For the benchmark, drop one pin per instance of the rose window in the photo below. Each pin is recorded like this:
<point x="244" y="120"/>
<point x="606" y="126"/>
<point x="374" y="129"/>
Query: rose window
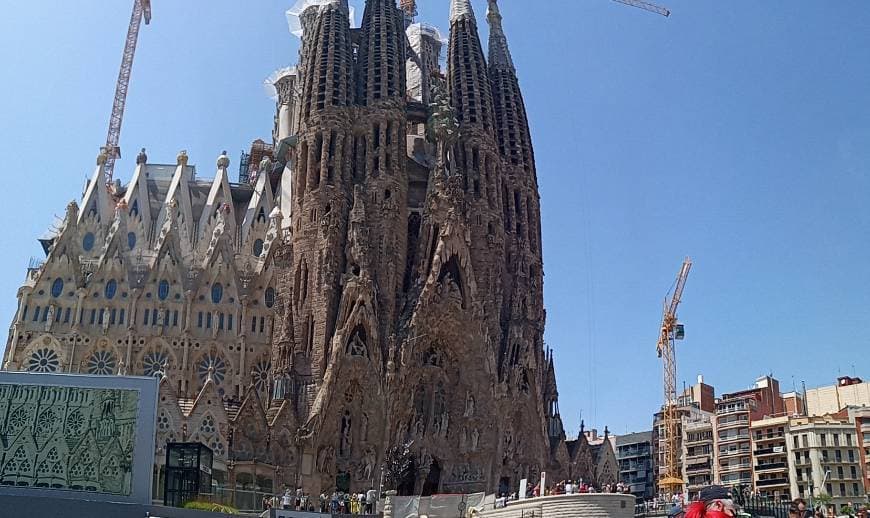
<point x="261" y="374"/>
<point x="101" y="362"/>
<point x="75" y="424"/>
<point x="207" y="427"/>
<point x="43" y="360"/>
<point x="163" y="422"/>
<point x="154" y="363"/>
<point x="215" y="362"/>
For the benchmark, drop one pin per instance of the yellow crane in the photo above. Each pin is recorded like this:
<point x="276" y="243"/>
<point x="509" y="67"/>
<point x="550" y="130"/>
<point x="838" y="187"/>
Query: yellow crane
<point x="141" y="9"/>
<point x="670" y="331"/>
<point x="646" y="6"/>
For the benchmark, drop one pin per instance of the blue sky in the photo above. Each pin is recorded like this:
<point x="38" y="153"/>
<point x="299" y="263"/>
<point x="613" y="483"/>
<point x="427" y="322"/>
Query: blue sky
<point x="735" y="132"/>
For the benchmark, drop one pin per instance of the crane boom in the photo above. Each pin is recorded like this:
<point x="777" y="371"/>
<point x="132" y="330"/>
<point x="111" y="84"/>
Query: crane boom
<point x="646" y="6"/>
<point x="141" y="9"/>
<point x="665" y="347"/>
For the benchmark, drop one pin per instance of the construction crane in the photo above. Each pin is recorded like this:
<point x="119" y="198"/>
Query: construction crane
<point x="141" y="9"/>
<point x="646" y="6"/>
<point x="670" y="331"/>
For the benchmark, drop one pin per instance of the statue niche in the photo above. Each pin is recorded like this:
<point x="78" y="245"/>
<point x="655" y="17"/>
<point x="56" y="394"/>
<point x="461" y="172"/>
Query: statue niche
<point x="450" y="286"/>
<point x="345" y="438"/>
<point x="356" y="346"/>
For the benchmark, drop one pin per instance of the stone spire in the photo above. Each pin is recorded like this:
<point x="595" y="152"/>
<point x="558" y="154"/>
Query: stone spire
<point x="466" y="69"/>
<point x="499" y="53"/>
<point x="327" y="72"/>
<point x="512" y="126"/>
<point x="381" y="61"/>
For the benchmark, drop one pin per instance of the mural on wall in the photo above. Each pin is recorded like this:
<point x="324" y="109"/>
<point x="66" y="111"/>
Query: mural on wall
<point x="68" y="438"/>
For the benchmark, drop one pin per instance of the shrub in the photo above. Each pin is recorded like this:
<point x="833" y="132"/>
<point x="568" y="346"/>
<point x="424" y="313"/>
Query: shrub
<point x="208" y="506"/>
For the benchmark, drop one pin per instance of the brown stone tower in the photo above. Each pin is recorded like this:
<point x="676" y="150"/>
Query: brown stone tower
<point x="410" y="295"/>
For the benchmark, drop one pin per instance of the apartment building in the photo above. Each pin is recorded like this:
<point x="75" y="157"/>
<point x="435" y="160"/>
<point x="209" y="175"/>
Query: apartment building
<point x="770" y="457"/>
<point x="698" y="453"/>
<point x="861" y="416"/>
<point x="734" y="414"/>
<point x="825" y="457"/>
<point x="635" y="458"/>
<point x="848" y="391"/>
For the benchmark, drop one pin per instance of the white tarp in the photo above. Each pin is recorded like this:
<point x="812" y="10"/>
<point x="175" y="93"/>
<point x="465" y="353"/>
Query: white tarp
<point x="301" y="5"/>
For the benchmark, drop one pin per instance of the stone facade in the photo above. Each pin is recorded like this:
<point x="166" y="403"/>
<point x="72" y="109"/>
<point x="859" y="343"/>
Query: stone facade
<point x="381" y="283"/>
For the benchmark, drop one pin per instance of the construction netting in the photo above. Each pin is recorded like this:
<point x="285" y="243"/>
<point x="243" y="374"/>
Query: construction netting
<point x="417" y="34"/>
<point x="295" y="12"/>
<point x="269" y="83"/>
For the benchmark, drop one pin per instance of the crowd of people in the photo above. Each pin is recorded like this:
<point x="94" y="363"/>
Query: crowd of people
<point x="718" y="502"/>
<point x="337" y="503"/>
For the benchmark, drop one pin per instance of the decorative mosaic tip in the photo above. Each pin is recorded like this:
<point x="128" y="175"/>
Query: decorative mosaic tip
<point x="461" y="9"/>
<point x="141" y="158"/>
<point x="181" y="159"/>
<point x="103" y="157"/>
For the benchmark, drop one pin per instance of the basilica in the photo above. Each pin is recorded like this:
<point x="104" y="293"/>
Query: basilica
<point x="376" y="279"/>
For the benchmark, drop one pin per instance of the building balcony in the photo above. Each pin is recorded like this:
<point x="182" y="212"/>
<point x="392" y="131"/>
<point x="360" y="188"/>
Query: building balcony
<point x="735" y="453"/>
<point x="725" y="425"/>
<point x="735" y="467"/>
<point x="698" y="468"/>
<point x="770" y="482"/>
<point x="772" y="450"/>
<point x="733" y="409"/>
<point x="769" y="438"/>
<point x="771" y="465"/>
<point x="734" y="438"/>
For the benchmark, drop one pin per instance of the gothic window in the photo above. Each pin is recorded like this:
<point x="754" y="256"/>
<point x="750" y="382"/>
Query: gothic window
<point x="163" y="289"/>
<point x="212" y="361"/>
<point x="261" y="374"/>
<point x="217" y="293"/>
<point x="258" y="247"/>
<point x="131" y="240"/>
<point x="134" y="209"/>
<point x="154" y="362"/>
<point x="269" y="297"/>
<point x="261" y="217"/>
<point x="57" y="287"/>
<point x="88" y="242"/>
<point x="43" y="360"/>
<point x="111" y="288"/>
<point x="101" y="362"/>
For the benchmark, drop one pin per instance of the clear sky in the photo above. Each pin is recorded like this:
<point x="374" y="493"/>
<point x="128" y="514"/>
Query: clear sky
<point x="736" y="132"/>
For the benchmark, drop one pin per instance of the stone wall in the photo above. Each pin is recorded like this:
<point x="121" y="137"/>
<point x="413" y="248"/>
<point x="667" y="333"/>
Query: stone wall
<point x="598" y="505"/>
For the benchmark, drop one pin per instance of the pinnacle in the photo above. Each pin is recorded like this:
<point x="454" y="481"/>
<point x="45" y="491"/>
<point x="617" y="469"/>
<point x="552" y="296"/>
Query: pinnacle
<point x="460" y="9"/>
<point x="499" y="53"/>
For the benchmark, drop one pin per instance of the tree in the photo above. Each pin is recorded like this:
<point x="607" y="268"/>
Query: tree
<point x="398" y="467"/>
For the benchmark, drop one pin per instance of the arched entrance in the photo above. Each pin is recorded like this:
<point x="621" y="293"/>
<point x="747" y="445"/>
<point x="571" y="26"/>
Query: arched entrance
<point x="433" y="479"/>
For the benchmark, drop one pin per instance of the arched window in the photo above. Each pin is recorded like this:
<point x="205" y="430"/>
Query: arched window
<point x="163" y="289"/>
<point x="134" y="210"/>
<point x="57" y="287"/>
<point x="111" y="288"/>
<point x="258" y="247"/>
<point x="131" y="240"/>
<point x="269" y="297"/>
<point x="88" y="242"/>
<point x="217" y="292"/>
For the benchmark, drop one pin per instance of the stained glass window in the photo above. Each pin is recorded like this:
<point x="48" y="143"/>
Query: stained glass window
<point x="43" y="360"/>
<point x="163" y="289"/>
<point x="101" y="362"/>
<point x="269" y="297"/>
<point x="111" y="289"/>
<point x="217" y="292"/>
<point x="88" y="242"/>
<point x="57" y="287"/>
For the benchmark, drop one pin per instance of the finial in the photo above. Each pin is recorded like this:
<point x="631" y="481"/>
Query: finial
<point x="181" y="159"/>
<point x="223" y="161"/>
<point x="582" y="426"/>
<point x="103" y="157"/>
<point x="141" y="158"/>
<point x="492" y="12"/>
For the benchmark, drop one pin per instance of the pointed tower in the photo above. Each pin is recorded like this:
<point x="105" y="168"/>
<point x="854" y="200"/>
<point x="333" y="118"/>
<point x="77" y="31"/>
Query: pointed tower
<point x="475" y="159"/>
<point x="379" y="148"/>
<point x="323" y="177"/>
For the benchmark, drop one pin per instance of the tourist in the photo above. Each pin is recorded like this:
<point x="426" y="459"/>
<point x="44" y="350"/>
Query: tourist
<point x="333" y="503"/>
<point x="298" y="501"/>
<point x="371" y="497"/>
<point x="286" y="500"/>
<point x="800" y="507"/>
<point x="713" y="502"/>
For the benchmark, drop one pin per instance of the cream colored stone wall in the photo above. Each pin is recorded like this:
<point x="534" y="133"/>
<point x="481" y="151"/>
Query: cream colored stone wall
<point x="599" y="505"/>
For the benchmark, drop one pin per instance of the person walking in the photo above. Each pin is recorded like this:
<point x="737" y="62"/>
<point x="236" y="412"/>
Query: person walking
<point x="713" y="502"/>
